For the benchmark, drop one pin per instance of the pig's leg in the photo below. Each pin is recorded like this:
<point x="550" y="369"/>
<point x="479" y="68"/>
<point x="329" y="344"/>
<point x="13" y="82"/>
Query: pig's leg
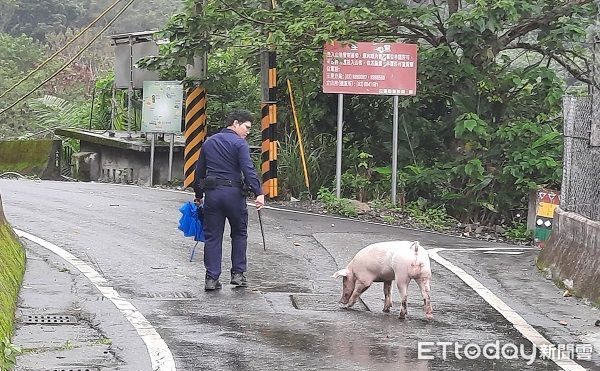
<point x="423" y="283"/>
<point x="403" y="290"/>
<point x="387" y="293"/>
<point x="358" y="290"/>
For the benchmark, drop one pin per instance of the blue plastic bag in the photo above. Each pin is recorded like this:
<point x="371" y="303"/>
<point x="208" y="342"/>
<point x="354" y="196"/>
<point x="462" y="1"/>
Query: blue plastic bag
<point x="191" y="221"/>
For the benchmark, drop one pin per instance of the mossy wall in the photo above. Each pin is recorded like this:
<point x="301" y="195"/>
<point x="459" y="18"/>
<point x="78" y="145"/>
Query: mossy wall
<point x="12" y="268"/>
<point x="30" y="157"/>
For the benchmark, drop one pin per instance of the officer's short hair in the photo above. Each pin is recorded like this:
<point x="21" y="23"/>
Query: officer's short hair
<point x="241" y="115"/>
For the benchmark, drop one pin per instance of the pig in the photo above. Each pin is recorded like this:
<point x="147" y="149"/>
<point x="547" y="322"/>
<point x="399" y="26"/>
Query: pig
<point x="385" y="262"/>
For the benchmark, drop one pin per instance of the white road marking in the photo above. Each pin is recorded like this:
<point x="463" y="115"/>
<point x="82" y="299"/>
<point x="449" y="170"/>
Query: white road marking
<point x="160" y="355"/>
<point x="560" y="358"/>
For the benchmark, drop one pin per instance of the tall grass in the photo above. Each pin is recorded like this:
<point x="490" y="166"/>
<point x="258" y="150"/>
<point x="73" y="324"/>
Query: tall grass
<point x="320" y="162"/>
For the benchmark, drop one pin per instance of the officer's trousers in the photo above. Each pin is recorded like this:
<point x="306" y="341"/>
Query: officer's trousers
<point x="219" y="204"/>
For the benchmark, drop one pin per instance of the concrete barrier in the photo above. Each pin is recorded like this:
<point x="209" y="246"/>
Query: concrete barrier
<point x="86" y="166"/>
<point x="31" y="157"/>
<point x="572" y="254"/>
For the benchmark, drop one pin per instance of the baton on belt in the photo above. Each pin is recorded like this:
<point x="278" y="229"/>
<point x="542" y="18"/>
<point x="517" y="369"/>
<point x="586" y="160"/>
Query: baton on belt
<point x="262" y="232"/>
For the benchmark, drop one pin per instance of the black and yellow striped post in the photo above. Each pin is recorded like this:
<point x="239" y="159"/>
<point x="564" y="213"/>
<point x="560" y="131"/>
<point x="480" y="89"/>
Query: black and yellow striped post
<point x="273" y="121"/>
<point x="265" y="148"/>
<point x="195" y="131"/>
<point x="269" y="125"/>
<point x="269" y="149"/>
<point x="273" y="151"/>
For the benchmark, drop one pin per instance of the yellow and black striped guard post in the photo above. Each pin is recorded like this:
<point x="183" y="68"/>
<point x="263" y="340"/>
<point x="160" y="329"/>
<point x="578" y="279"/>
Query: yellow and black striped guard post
<point x="269" y="132"/>
<point x="273" y="151"/>
<point x="195" y="131"/>
<point x="265" y="149"/>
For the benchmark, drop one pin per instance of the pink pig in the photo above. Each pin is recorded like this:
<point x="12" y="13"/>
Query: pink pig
<point x="385" y="262"/>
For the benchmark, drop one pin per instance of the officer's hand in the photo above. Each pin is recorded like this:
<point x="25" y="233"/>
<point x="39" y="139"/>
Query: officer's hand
<point x="198" y="201"/>
<point x="260" y="201"/>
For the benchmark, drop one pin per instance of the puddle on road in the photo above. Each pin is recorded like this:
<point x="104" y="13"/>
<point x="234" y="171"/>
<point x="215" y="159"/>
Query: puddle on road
<point x="340" y="345"/>
<point x="325" y="341"/>
<point x="348" y="340"/>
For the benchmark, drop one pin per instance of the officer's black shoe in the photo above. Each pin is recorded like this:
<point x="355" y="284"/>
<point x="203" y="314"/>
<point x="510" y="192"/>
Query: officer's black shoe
<point x="239" y="280"/>
<point x="211" y="284"/>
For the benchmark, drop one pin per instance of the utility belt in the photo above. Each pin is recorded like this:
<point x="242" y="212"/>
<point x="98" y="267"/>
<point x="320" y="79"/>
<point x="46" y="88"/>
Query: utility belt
<point x="212" y="182"/>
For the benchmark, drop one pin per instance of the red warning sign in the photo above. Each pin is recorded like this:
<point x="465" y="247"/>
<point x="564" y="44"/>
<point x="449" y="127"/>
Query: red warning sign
<point x="370" y="68"/>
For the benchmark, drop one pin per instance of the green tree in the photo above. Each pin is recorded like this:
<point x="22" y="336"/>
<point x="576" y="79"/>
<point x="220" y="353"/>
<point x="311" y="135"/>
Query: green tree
<point x="19" y="55"/>
<point x="37" y="18"/>
<point x="7" y="9"/>
<point x="488" y="73"/>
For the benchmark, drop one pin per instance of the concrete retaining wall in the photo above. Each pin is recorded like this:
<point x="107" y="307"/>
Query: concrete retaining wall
<point x="31" y="157"/>
<point x="573" y="254"/>
<point x="117" y="165"/>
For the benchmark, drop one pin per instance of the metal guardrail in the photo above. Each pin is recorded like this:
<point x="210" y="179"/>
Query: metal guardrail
<point x="67" y="161"/>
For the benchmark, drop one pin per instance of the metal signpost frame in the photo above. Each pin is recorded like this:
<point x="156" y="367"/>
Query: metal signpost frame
<point x="369" y="68"/>
<point x="130" y="89"/>
<point x="338" y="156"/>
<point x="129" y="48"/>
<point x="394" y="149"/>
<point x="161" y="113"/>
<point x="171" y="145"/>
<point x="152" y="140"/>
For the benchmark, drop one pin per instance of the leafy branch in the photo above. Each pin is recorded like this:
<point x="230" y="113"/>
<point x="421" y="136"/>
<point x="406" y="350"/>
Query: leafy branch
<point x="545" y="19"/>
<point x="574" y="69"/>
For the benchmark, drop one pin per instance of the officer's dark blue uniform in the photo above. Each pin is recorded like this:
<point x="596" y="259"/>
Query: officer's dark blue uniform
<point x="224" y="157"/>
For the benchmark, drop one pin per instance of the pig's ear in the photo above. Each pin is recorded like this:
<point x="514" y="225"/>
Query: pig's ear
<point x="341" y="272"/>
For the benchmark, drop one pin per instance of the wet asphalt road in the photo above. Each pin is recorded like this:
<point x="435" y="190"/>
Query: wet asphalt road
<point x="288" y="318"/>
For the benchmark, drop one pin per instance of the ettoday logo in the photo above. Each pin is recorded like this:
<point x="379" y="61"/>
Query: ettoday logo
<point x="429" y="350"/>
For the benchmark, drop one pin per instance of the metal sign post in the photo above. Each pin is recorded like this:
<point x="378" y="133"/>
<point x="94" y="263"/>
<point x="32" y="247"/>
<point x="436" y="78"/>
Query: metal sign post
<point x="338" y="156"/>
<point x="171" y="145"/>
<point x="394" y="149"/>
<point x="152" y="158"/>
<point x="130" y="88"/>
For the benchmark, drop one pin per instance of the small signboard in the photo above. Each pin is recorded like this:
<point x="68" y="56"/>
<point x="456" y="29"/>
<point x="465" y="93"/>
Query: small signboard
<point x="162" y="106"/>
<point x="547" y="201"/>
<point x="370" y="68"/>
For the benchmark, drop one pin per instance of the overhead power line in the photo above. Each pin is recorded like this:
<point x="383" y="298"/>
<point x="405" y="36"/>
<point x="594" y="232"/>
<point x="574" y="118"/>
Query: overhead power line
<point x="61" y="49"/>
<point x="70" y="60"/>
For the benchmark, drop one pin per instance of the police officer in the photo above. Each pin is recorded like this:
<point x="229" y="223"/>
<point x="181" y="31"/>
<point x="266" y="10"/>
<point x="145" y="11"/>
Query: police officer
<point x="223" y="167"/>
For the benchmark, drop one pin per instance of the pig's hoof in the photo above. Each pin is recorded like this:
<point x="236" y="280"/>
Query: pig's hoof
<point x="402" y="316"/>
<point x="386" y="310"/>
<point x="429" y="316"/>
